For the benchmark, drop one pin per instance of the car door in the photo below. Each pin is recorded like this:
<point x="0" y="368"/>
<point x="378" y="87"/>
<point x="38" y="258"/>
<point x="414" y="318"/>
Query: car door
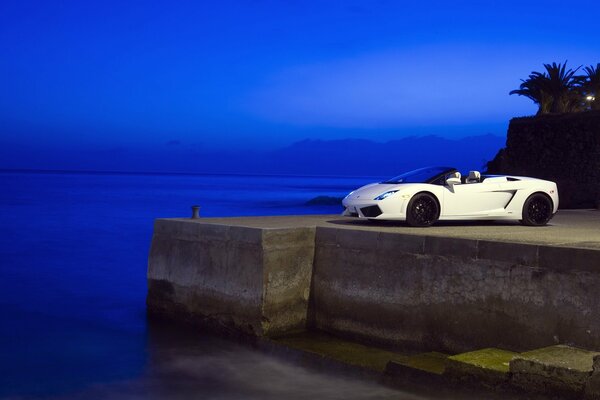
<point x="477" y="199"/>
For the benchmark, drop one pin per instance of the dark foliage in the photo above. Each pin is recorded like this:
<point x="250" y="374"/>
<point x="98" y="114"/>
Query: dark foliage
<point x="558" y="90"/>
<point x="590" y="86"/>
<point x="563" y="148"/>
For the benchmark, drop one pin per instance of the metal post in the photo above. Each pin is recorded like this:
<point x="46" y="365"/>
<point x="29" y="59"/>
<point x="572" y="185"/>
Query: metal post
<point x="195" y="212"/>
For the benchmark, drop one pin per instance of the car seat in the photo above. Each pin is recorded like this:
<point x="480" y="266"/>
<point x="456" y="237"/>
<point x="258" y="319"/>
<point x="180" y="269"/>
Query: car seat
<point x="474" y="177"/>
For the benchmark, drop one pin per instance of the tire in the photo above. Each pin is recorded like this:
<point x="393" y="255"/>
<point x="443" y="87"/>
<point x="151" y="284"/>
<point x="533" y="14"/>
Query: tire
<point x="423" y="210"/>
<point x="537" y="210"/>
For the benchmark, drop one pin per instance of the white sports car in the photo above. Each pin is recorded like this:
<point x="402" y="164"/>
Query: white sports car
<point x="424" y="196"/>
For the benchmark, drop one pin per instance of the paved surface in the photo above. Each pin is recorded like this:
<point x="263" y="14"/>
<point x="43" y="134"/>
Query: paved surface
<point x="569" y="228"/>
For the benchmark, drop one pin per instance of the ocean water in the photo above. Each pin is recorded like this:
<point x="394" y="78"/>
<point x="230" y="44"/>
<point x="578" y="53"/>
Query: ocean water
<point x="73" y="256"/>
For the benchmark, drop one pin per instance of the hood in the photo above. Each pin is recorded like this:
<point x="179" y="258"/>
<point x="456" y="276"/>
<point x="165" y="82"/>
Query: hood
<point x="369" y="192"/>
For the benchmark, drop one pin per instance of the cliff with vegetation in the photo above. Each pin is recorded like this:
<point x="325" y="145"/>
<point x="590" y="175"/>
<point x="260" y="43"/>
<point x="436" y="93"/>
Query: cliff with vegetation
<point x="564" y="148"/>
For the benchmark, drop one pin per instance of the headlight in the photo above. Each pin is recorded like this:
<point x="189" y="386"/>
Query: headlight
<point x="385" y="195"/>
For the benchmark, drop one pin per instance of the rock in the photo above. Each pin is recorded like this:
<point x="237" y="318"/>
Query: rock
<point x="325" y="201"/>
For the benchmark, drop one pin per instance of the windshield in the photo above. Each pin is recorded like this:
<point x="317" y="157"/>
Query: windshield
<point x="421" y="175"/>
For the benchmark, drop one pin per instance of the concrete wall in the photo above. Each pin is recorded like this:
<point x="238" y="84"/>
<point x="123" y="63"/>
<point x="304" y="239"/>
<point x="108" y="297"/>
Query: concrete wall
<point x="443" y="293"/>
<point x="254" y="280"/>
<point x="454" y="294"/>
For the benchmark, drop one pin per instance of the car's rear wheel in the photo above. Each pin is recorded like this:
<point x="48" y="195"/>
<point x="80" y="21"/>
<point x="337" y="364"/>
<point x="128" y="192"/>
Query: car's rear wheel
<point x="423" y="210"/>
<point x="537" y="210"/>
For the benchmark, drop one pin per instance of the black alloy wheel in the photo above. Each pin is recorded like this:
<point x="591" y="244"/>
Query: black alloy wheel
<point x="537" y="210"/>
<point x="422" y="210"/>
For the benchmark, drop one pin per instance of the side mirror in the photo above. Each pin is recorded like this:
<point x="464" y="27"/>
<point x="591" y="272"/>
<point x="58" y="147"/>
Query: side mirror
<point x="452" y="181"/>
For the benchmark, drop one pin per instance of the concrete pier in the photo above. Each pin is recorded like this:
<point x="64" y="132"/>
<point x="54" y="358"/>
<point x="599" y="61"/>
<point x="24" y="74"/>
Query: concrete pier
<point x="451" y="288"/>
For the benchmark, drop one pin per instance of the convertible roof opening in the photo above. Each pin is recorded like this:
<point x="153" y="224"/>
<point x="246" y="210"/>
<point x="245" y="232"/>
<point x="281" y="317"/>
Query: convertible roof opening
<point x="421" y="175"/>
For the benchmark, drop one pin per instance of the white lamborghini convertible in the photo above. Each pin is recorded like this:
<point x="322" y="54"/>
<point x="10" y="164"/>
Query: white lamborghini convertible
<point x="424" y="196"/>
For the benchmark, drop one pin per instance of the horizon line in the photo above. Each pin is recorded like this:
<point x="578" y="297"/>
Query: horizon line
<point x="157" y="173"/>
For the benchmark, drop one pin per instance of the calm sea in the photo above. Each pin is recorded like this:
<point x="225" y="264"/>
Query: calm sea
<point x="73" y="254"/>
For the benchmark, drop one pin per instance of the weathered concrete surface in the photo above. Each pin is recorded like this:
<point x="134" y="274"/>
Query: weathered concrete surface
<point x="430" y="363"/>
<point x="469" y="288"/>
<point x="555" y="369"/>
<point x="489" y="366"/>
<point x="348" y="352"/>
<point x="453" y="287"/>
<point x="569" y="228"/>
<point x="254" y="280"/>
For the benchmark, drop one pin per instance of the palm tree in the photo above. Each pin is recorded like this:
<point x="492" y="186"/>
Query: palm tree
<point x="554" y="91"/>
<point x="590" y="86"/>
<point x="534" y="89"/>
<point x="562" y="88"/>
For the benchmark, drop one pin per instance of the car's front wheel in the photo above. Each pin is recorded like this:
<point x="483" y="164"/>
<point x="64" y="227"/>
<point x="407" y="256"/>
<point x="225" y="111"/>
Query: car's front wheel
<point x="423" y="210"/>
<point x="537" y="210"/>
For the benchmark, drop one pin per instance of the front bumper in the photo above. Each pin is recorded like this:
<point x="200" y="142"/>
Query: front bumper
<point x="368" y="211"/>
<point x="374" y="210"/>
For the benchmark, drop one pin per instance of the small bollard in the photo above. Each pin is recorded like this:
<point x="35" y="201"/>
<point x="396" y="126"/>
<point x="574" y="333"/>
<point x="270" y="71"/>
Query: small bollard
<point x="195" y="212"/>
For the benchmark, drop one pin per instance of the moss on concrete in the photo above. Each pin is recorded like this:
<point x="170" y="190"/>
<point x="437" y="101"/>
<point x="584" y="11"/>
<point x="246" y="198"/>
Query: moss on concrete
<point x="432" y="363"/>
<point x="352" y="353"/>
<point x="490" y="358"/>
<point x="489" y="365"/>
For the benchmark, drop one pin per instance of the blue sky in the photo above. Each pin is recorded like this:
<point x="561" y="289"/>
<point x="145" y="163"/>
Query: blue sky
<point x="248" y="74"/>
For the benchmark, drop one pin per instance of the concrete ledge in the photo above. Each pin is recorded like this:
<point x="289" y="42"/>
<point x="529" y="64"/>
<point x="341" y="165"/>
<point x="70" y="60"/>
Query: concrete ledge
<point x="445" y="288"/>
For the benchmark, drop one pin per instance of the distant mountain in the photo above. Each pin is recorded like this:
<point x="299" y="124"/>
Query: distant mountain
<point x="365" y="157"/>
<point x="357" y="157"/>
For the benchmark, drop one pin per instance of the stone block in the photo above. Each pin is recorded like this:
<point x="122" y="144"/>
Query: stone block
<point x="555" y="369"/>
<point x="489" y="365"/>
<point x="254" y="280"/>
